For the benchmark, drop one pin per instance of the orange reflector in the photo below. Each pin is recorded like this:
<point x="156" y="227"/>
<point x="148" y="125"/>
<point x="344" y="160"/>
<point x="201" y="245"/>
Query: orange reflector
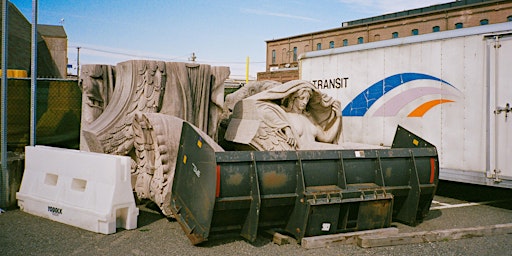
<point x="432" y="170"/>
<point x="217" y="190"/>
<point x="185" y="159"/>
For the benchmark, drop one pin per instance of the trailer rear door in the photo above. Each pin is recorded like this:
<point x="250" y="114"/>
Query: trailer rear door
<point x="500" y="88"/>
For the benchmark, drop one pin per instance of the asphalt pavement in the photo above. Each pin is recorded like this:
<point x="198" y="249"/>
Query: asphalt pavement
<point x="455" y="206"/>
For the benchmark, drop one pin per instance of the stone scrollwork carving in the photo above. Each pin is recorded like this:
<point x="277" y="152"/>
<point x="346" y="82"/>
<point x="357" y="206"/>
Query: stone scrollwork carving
<point x="139" y="85"/>
<point x="141" y="116"/>
<point x="97" y="86"/>
<point x="150" y="87"/>
<point x="156" y="138"/>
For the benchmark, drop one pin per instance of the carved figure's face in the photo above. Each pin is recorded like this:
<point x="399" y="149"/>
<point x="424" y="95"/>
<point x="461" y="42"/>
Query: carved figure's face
<point x="301" y="101"/>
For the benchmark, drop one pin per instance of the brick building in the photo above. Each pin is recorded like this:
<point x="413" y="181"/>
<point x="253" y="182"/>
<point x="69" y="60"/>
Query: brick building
<point x="283" y="54"/>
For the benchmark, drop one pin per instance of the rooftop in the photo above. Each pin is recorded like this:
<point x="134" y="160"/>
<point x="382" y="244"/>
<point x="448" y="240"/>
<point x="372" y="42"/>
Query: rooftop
<point x="397" y="15"/>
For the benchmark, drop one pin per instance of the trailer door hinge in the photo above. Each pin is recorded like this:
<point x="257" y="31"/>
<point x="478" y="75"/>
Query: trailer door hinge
<point x="496" y="175"/>
<point x="497" y="43"/>
<point x="505" y="109"/>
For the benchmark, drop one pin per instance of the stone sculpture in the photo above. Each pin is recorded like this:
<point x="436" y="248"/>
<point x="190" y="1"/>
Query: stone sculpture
<point x="137" y="108"/>
<point x="245" y="91"/>
<point x="97" y="89"/>
<point x="291" y="116"/>
<point x="220" y="74"/>
<point x="142" y="118"/>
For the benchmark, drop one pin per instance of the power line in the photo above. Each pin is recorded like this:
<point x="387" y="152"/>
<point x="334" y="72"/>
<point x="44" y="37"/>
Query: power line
<point x="123" y="53"/>
<point x="185" y="57"/>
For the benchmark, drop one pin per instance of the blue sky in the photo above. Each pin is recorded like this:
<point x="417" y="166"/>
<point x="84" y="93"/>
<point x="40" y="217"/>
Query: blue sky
<point x="219" y="32"/>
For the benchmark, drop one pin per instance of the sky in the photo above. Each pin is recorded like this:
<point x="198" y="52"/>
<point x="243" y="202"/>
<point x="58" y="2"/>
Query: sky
<point x="217" y="32"/>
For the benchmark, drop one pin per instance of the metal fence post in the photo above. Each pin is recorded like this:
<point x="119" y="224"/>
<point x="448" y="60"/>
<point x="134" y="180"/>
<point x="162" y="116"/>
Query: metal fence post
<point x="4" y="188"/>
<point x="33" y="67"/>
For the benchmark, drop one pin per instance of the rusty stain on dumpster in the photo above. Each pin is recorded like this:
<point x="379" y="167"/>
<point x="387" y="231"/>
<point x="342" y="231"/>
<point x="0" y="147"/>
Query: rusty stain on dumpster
<point x="273" y="179"/>
<point x="235" y="179"/>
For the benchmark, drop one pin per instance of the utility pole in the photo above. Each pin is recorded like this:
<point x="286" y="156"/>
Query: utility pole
<point x="78" y="62"/>
<point x="193" y="57"/>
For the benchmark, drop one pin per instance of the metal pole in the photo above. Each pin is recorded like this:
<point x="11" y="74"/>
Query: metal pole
<point x="78" y="63"/>
<point x="33" y="79"/>
<point x="4" y="189"/>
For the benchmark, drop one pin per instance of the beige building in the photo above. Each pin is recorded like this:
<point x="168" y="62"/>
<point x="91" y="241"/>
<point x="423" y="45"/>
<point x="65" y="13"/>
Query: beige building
<point x="51" y="46"/>
<point x="283" y="54"/>
<point x="57" y="43"/>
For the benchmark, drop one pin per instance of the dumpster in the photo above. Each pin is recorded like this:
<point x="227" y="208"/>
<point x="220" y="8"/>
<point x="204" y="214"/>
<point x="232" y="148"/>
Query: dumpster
<point x="304" y="193"/>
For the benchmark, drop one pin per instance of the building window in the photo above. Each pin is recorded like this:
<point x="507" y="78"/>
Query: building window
<point x="509" y="18"/>
<point x="294" y="54"/>
<point x="273" y="56"/>
<point x="394" y="35"/>
<point x="319" y="46"/>
<point x="484" y="22"/>
<point x="436" y="29"/>
<point x="331" y="44"/>
<point x="458" y="25"/>
<point x="414" y="32"/>
<point x="345" y="42"/>
<point x="376" y="38"/>
<point x="360" y="40"/>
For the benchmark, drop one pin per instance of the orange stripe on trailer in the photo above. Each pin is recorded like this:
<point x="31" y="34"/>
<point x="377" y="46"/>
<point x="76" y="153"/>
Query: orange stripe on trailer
<point x="421" y="110"/>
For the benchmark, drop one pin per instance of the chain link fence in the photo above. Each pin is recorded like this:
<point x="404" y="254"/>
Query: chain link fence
<point x="58" y="111"/>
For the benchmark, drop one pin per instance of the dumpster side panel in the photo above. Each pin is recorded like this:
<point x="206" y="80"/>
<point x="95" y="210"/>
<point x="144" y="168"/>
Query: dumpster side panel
<point x="194" y="185"/>
<point x="306" y="193"/>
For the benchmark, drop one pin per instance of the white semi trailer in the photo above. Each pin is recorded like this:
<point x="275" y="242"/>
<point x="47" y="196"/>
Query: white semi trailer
<point x="452" y="88"/>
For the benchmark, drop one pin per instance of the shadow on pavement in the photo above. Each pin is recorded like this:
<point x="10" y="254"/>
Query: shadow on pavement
<point x="493" y="196"/>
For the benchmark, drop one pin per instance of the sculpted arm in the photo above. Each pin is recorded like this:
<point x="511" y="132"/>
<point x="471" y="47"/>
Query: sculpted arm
<point x="329" y="134"/>
<point x="276" y="121"/>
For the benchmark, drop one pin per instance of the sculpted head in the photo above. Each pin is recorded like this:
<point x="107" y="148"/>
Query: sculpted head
<point x="297" y="101"/>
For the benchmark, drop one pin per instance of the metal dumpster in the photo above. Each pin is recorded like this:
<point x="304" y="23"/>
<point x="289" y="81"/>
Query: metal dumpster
<point x="304" y="193"/>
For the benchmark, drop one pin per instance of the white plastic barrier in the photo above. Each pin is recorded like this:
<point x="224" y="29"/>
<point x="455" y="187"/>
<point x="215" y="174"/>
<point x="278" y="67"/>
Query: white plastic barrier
<point x="88" y="190"/>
